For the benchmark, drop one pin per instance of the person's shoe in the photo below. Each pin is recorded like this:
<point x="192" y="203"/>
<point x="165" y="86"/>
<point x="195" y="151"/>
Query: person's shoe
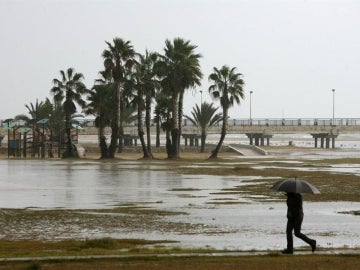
<point x="313" y="245"/>
<point x="287" y="251"/>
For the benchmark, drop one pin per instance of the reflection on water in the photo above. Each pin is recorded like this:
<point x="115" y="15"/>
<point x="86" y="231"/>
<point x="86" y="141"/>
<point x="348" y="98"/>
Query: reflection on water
<point x="86" y="184"/>
<point x="77" y="184"/>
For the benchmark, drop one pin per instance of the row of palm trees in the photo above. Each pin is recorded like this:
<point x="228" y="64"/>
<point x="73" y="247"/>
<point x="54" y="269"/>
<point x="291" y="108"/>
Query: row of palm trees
<point x="131" y="84"/>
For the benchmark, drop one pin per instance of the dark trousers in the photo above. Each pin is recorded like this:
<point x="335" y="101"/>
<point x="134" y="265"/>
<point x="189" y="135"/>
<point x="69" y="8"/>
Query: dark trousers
<point x="294" y="224"/>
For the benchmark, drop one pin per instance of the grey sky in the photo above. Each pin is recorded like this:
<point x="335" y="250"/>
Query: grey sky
<point x="291" y="53"/>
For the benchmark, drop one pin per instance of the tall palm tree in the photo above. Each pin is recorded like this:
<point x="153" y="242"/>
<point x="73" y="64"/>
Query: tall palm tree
<point x="180" y="69"/>
<point x="140" y="104"/>
<point x="146" y="84"/>
<point x="118" y="57"/>
<point x="69" y="89"/>
<point x="204" y="118"/>
<point x="228" y="88"/>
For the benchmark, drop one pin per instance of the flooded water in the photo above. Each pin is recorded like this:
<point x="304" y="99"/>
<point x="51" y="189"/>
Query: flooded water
<point x="79" y="184"/>
<point x="241" y="223"/>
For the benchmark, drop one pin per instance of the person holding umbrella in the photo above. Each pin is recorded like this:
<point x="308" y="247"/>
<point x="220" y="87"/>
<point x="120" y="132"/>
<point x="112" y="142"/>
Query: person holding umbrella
<point x="295" y="214"/>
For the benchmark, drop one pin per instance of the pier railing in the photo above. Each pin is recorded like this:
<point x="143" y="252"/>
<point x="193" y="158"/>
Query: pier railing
<point x="285" y="125"/>
<point x="290" y="122"/>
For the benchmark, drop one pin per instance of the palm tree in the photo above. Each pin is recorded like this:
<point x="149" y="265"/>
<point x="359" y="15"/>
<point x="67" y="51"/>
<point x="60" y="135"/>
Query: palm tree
<point x="204" y="118"/>
<point x="146" y="85"/>
<point x="162" y="117"/>
<point x="228" y="88"/>
<point x="118" y="57"/>
<point x="140" y="103"/>
<point x="39" y="110"/>
<point x="101" y="100"/>
<point x="180" y="70"/>
<point x="69" y="90"/>
<point x="56" y="123"/>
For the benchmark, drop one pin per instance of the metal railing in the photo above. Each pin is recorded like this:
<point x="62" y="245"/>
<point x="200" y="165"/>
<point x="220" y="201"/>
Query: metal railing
<point x="289" y="122"/>
<point x="256" y="122"/>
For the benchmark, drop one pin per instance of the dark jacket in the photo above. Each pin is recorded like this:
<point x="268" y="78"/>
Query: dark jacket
<point x="294" y="204"/>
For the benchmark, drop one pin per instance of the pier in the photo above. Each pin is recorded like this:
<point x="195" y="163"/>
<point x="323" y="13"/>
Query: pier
<point x="260" y="131"/>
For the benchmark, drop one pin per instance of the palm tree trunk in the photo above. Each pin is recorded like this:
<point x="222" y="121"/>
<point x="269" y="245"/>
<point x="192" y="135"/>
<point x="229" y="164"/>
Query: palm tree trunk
<point x="69" y="148"/>
<point x="142" y="141"/>
<point x="203" y="138"/>
<point x="102" y="143"/>
<point x="121" y="139"/>
<point x="157" y="132"/>
<point x="148" y="123"/>
<point x="181" y="101"/>
<point x="33" y="142"/>
<point x="25" y="145"/>
<point x="216" y="151"/>
<point x="121" y="128"/>
<point x="172" y="145"/>
<point x="115" y="126"/>
<point x="141" y="130"/>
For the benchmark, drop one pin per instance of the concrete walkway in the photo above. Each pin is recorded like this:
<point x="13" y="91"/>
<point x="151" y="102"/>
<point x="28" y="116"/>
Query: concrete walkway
<point x="179" y="255"/>
<point x="247" y="150"/>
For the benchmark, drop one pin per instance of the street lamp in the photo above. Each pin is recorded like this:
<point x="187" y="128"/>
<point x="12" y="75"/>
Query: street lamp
<point x="333" y="117"/>
<point x="200" y="97"/>
<point x="250" y="108"/>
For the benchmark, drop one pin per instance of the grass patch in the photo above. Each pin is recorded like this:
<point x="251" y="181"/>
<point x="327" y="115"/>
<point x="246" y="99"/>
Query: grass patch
<point x="122" y="244"/>
<point x="103" y="246"/>
<point x="333" y="186"/>
<point x="355" y="213"/>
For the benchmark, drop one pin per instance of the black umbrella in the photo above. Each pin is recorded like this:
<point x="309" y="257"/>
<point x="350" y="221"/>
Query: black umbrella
<point x="295" y="185"/>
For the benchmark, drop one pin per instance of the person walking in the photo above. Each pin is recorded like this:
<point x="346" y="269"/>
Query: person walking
<point x="295" y="217"/>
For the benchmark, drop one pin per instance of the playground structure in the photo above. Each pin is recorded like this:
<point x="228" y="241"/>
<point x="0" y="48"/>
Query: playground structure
<point x="39" y="141"/>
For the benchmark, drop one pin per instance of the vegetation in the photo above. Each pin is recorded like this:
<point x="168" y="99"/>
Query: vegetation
<point x="119" y="60"/>
<point x="203" y="118"/>
<point x="142" y="254"/>
<point x="101" y="99"/>
<point x="146" y="85"/>
<point x="131" y="84"/>
<point x="179" y="70"/>
<point x="145" y="254"/>
<point x="69" y="90"/>
<point x="228" y="88"/>
<point x="40" y="112"/>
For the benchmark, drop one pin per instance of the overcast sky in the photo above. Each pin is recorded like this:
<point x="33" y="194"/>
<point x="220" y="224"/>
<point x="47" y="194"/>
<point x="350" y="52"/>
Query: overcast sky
<point x="291" y="53"/>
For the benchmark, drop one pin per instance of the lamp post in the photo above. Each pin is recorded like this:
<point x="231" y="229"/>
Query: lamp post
<point x="250" y="108"/>
<point x="333" y="116"/>
<point x="201" y="97"/>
